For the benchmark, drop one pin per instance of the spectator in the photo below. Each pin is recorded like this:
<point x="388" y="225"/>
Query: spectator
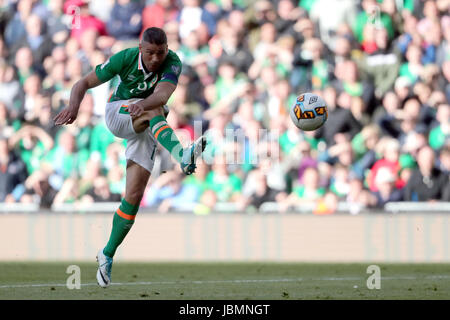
<point x="125" y="21"/>
<point x="329" y="15"/>
<point x="308" y="192"/>
<point x="10" y="90"/>
<point x="340" y="184"/>
<point x="227" y="186"/>
<point x="65" y="159"/>
<point x="327" y="205"/>
<point x="444" y="159"/>
<point x="38" y="190"/>
<point x="159" y="14"/>
<point x="370" y="15"/>
<point x="192" y="15"/>
<point x="385" y="184"/>
<point x="389" y="149"/>
<point x="13" y="171"/>
<point x="339" y="120"/>
<point x="427" y="182"/>
<point x="440" y="134"/>
<point x="168" y="192"/>
<point x="358" y="197"/>
<point x="100" y="192"/>
<point x="56" y="27"/>
<point x="40" y="44"/>
<point x="32" y="144"/>
<point x="85" y="20"/>
<point x="382" y="64"/>
<point x="256" y="191"/>
<point x="15" y="28"/>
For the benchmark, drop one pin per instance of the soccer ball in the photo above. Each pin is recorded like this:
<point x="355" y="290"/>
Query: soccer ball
<point x="309" y="112"/>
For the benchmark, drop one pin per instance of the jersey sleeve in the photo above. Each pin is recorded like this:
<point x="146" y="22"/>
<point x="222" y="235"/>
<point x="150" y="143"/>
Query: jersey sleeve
<point x="171" y="71"/>
<point x="111" y="67"/>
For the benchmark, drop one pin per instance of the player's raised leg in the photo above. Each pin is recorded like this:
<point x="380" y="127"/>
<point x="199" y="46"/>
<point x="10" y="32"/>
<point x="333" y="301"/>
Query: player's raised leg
<point x="164" y="134"/>
<point x="136" y="180"/>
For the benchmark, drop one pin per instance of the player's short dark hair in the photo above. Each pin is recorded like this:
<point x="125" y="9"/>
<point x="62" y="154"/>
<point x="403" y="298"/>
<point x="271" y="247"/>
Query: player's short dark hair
<point x="155" y="36"/>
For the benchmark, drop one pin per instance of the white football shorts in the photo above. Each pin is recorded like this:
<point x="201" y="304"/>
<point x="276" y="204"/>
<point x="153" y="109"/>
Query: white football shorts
<point x="141" y="147"/>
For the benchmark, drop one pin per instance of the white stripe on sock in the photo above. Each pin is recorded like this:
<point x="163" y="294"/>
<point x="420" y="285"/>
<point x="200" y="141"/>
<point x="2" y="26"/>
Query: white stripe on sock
<point x="158" y="125"/>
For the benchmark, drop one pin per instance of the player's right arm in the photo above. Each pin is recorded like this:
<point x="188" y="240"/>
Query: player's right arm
<point x="102" y="73"/>
<point x="69" y="114"/>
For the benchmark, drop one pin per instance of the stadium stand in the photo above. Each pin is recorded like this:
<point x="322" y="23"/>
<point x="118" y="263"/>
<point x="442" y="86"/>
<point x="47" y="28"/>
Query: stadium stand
<point x="383" y="68"/>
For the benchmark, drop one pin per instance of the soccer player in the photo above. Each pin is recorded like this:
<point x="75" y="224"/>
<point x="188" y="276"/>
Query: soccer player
<point x="136" y="112"/>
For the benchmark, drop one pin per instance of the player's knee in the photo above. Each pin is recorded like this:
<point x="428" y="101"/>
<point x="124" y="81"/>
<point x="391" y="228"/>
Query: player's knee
<point x="155" y="112"/>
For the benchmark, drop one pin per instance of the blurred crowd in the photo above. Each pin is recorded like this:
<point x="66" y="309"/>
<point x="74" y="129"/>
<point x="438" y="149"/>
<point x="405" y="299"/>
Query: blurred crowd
<point x="383" y="67"/>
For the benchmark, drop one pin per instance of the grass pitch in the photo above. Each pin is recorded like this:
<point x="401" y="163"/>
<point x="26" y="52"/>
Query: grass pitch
<point x="226" y="281"/>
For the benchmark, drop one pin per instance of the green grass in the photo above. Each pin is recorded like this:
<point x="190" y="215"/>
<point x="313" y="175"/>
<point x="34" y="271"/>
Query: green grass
<point x="226" y="281"/>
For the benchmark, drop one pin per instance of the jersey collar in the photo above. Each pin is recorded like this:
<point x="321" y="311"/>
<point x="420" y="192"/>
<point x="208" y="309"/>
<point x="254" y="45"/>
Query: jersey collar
<point x="141" y="67"/>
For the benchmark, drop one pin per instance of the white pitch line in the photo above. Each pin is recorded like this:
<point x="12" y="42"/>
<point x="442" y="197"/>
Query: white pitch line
<point x="434" y="277"/>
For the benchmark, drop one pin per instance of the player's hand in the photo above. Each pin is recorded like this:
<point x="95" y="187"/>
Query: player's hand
<point x="135" y="110"/>
<point x="66" y="116"/>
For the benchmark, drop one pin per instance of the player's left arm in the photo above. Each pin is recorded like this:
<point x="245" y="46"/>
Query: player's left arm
<point x="163" y="90"/>
<point x="159" y="97"/>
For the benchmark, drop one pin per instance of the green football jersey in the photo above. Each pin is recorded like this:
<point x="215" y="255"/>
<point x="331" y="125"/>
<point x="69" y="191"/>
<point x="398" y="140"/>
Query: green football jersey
<point x="135" y="82"/>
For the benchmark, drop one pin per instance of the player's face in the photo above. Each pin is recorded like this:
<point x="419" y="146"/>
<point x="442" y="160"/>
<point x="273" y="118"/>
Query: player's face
<point x="153" y="55"/>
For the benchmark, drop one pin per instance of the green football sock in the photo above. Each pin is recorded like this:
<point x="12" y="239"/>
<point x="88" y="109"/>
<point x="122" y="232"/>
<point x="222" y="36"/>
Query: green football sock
<point x="165" y="135"/>
<point x="122" y="222"/>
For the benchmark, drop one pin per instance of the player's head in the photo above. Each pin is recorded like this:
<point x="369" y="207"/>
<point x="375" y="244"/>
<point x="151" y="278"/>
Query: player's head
<point x="153" y="48"/>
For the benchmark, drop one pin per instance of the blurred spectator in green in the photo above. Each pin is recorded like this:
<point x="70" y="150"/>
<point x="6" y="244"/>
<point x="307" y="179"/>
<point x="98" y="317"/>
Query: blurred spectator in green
<point x="24" y="64"/>
<point x="340" y="183"/>
<point x="309" y="191"/>
<point x="382" y="64"/>
<point x="191" y="48"/>
<point x="92" y="171"/>
<point x="33" y="144"/>
<point x="372" y="14"/>
<point x="350" y="81"/>
<point x="413" y="67"/>
<point x="65" y="158"/>
<point x="440" y="134"/>
<point x="226" y="186"/>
